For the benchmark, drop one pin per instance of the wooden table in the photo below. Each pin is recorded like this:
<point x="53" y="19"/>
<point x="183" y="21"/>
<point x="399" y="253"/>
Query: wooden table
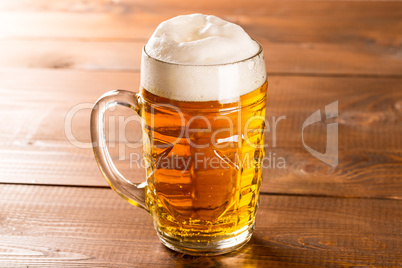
<point x="56" y="209"/>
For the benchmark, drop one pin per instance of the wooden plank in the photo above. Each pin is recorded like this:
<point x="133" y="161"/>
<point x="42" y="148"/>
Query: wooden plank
<point x="315" y="37"/>
<point x="360" y="173"/>
<point x="34" y="148"/>
<point x="75" y="227"/>
<point x="282" y="58"/>
<point x="315" y="21"/>
<point x="68" y="54"/>
<point x="369" y="108"/>
<point x="286" y="171"/>
<point x="234" y="6"/>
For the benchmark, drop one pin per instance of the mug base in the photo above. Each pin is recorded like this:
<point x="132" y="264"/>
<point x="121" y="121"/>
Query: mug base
<point x="210" y="248"/>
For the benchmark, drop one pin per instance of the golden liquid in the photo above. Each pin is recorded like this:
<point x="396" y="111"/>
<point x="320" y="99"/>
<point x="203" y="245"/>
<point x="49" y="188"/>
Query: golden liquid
<point x="209" y="193"/>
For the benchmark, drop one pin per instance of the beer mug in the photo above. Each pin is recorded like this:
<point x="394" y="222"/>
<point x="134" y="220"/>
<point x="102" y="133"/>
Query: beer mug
<point x="203" y="145"/>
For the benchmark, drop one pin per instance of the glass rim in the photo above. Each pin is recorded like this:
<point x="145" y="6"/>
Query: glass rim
<point x="260" y="50"/>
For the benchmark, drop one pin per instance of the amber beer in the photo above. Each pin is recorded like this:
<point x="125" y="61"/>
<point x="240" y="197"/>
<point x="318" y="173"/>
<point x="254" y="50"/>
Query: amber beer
<point x="202" y="102"/>
<point x="203" y="186"/>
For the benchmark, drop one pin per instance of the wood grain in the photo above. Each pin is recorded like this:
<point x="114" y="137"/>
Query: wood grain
<point x="369" y="108"/>
<point x="320" y="21"/>
<point x="44" y="226"/>
<point x="352" y="38"/>
<point x="55" y="207"/>
<point x="282" y="58"/>
<point x="290" y="26"/>
<point x="35" y="149"/>
<point x="359" y="174"/>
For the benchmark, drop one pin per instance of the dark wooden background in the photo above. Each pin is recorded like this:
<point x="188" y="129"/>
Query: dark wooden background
<point x="56" y="209"/>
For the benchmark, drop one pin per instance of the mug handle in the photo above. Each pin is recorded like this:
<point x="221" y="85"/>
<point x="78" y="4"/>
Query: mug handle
<point x="134" y="193"/>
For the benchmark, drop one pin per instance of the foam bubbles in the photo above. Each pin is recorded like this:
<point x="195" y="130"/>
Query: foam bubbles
<point x="201" y="58"/>
<point x="199" y="39"/>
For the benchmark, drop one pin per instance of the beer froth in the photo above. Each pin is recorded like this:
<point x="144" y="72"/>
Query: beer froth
<point x="201" y="58"/>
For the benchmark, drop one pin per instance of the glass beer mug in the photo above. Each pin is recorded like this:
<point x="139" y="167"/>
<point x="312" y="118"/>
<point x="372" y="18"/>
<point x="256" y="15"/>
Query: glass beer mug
<point x="203" y="144"/>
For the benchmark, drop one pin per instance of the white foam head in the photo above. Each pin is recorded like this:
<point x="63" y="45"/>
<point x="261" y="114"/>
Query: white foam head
<point x="201" y="58"/>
